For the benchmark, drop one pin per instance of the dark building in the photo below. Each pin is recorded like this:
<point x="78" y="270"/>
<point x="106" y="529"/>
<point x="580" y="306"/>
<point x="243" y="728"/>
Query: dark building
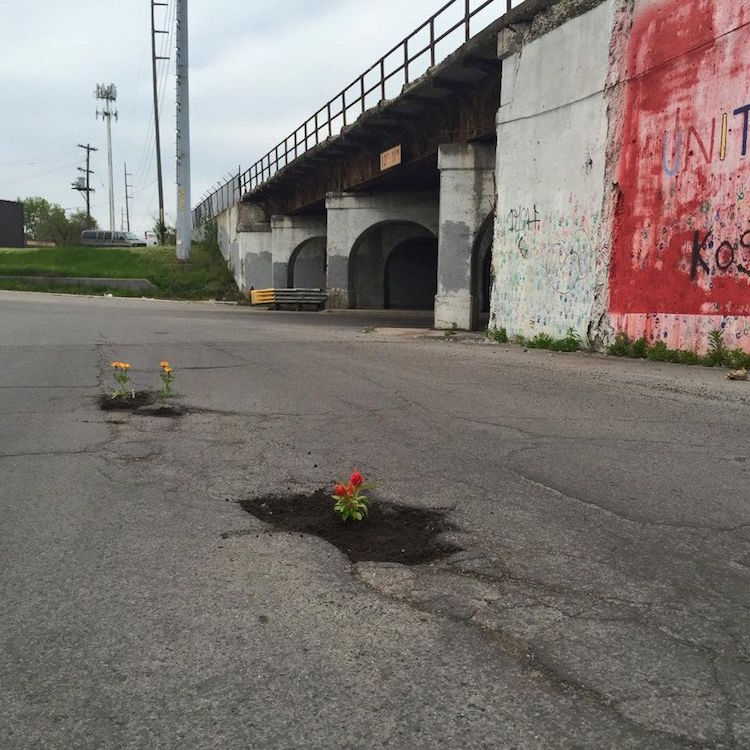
<point x="11" y="224"/>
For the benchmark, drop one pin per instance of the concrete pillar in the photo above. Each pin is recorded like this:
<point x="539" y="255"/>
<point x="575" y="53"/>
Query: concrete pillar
<point x="352" y="215"/>
<point x="467" y="198"/>
<point x="288" y="233"/>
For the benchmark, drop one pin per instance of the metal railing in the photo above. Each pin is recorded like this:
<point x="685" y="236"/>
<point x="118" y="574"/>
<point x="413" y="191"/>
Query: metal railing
<point x="397" y="68"/>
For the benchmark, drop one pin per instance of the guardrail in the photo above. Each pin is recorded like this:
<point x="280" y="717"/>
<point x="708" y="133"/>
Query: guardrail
<point x="409" y="59"/>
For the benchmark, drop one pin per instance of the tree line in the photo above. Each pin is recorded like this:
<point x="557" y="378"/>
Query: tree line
<point x="48" y="222"/>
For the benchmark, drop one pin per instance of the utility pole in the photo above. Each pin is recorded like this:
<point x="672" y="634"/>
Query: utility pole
<point x="128" y="197"/>
<point x="154" y="58"/>
<point x="108" y="94"/>
<point x="83" y="185"/>
<point x="184" y="215"/>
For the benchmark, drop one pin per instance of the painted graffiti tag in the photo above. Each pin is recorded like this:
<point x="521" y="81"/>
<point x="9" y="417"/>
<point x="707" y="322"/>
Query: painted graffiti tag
<point x="723" y="255"/>
<point x="677" y="148"/>
<point x="569" y="261"/>
<point x="521" y="219"/>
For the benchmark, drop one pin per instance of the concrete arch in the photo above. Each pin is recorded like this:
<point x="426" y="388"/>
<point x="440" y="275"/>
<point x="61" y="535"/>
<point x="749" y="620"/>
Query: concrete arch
<point x="368" y="262"/>
<point x="307" y="264"/>
<point x="289" y="236"/>
<point x="356" y="219"/>
<point x="481" y="272"/>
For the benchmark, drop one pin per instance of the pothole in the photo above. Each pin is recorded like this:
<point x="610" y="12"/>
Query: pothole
<point x="392" y="533"/>
<point x="142" y="398"/>
<point x="144" y="403"/>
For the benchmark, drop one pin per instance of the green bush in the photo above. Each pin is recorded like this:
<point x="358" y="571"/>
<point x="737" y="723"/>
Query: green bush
<point x="570" y="343"/>
<point x="737" y="359"/>
<point x="717" y="350"/>
<point x="540" y="341"/>
<point x="621" y="347"/>
<point x="690" y="358"/>
<point x="499" y="335"/>
<point x="639" y="348"/>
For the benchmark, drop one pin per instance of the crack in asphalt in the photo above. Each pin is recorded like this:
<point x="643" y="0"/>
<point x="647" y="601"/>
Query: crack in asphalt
<point x="533" y="665"/>
<point x="624" y="517"/>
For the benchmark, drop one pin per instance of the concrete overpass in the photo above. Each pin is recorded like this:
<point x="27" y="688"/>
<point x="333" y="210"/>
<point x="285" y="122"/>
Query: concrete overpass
<point x="386" y="195"/>
<point x="594" y="159"/>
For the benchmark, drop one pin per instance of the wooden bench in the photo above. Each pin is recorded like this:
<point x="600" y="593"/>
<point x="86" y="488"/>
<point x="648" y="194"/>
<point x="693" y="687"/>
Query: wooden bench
<point x="297" y="298"/>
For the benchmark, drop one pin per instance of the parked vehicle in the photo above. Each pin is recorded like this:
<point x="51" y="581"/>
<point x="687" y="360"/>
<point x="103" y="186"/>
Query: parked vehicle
<point x="100" y="238"/>
<point x="151" y="239"/>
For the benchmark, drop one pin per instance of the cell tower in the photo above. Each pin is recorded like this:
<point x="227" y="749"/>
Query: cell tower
<point x="107" y="93"/>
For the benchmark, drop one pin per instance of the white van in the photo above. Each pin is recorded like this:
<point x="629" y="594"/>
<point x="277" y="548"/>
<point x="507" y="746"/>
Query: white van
<point x="100" y="238"/>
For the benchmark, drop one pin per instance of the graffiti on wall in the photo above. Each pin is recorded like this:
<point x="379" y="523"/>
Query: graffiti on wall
<point x="546" y="264"/>
<point x="681" y="244"/>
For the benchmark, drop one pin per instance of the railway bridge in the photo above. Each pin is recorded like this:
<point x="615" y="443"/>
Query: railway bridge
<point x="386" y="195"/>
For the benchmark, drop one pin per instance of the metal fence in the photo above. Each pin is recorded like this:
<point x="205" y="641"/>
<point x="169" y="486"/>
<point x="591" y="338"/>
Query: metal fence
<point x="439" y="36"/>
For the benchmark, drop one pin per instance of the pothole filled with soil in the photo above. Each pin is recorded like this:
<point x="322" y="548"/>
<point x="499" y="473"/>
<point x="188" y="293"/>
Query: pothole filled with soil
<point x="145" y="403"/>
<point x="392" y="533"/>
<point x="141" y="398"/>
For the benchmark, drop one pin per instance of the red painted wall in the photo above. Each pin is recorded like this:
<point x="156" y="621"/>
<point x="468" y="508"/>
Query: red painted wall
<point x="681" y="234"/>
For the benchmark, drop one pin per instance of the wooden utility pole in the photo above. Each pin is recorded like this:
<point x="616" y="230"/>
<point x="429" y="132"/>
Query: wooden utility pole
<point x="154" y="58"/>
<point x="88" y="148"/>
<point x="128" y="197"/>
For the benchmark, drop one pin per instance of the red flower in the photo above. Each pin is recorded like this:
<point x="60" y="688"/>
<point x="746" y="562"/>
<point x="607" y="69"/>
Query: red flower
<point x="339" y="490"/>
<point x="350" y="489"/>
<point x="357" y="479"/>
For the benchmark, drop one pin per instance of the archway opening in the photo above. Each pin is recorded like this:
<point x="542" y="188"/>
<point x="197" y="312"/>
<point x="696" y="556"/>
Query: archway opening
<point x="307" y="265"/>
<point x="393" y="265"/>
<point x="482" y="273"/>
<point x="410" y="275"/>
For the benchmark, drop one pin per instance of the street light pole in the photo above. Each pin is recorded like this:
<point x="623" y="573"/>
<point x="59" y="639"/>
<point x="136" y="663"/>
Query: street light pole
<point x="184" y="224"/>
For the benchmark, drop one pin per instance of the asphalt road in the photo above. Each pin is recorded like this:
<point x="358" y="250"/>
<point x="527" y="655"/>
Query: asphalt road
<point x="601" y="600"/>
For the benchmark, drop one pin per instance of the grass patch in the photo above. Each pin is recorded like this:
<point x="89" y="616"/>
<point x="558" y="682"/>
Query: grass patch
<point x="718" y="353"/>
<point x="204" y="276"/>
<point x="498" y="335"/>
<point x="571" y="342"/>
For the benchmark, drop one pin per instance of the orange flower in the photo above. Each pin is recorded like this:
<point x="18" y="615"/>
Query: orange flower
<point x="357" y="479"/>
<point x="164" y="365"/>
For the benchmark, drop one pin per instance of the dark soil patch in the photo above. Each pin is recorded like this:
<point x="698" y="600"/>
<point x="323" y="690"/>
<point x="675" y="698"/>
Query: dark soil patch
<point x="142" y="398"/>
<point x="162" y="410"/>
<point x="145" y="404"/>
<point x="392" y="533"/>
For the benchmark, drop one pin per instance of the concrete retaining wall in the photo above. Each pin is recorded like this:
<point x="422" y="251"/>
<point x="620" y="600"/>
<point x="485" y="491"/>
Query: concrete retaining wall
<point x="551" y="148"/>
<point x="623" y="174"/>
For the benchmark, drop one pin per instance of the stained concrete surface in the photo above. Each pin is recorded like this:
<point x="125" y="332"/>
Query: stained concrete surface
<point x="600" y="601"/>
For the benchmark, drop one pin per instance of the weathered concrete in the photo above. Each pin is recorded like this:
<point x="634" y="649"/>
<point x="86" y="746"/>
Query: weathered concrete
<point x="359" y="240"/>
<point x="467" y="199"/>
<point x="552" y="135"/>
<point x="245" y="241"/>
<point x="297" y="242"/>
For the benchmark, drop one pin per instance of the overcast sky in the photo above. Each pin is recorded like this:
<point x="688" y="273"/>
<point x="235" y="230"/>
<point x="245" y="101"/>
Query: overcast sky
<point x="258" y="69"/>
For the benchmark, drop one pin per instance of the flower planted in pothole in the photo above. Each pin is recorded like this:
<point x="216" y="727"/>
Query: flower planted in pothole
<point x="167" y="381"/>
<point x="351" y="503"/>
<point x="122" y="377"/>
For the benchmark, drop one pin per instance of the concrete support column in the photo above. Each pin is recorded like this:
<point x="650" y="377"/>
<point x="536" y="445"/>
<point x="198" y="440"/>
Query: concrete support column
<point x="245" y="242"/>
<point x="287" y="234"/>
<point x="467" y="198"/>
